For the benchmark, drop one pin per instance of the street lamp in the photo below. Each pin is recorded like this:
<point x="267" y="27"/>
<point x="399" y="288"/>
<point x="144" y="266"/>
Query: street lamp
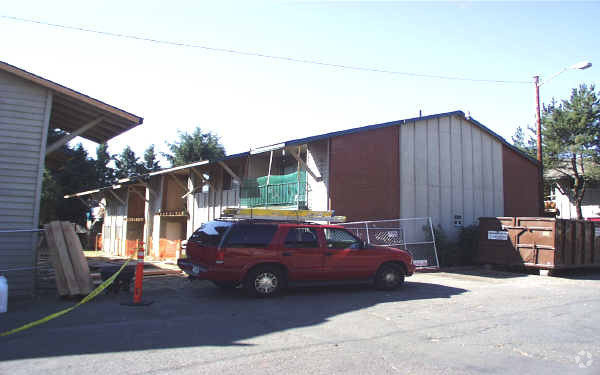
<point x="536" y="80"/>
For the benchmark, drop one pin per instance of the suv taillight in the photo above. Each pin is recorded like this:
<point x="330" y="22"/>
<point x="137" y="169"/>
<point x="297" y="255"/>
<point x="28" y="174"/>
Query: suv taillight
<point x="220" y="256"/>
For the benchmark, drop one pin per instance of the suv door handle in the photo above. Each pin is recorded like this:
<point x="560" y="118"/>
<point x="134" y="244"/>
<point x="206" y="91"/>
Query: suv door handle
<point x="286" y="254"/>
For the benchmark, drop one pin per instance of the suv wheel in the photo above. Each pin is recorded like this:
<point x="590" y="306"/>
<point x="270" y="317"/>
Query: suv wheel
<point x="264" y="281"/>
<point x="389" y="276"/>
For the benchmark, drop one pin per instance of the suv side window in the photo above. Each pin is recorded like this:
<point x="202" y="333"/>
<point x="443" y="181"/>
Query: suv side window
<point x="340" y="239"/>
<point x="250" y="235"/>
<point x="302" y="238"/>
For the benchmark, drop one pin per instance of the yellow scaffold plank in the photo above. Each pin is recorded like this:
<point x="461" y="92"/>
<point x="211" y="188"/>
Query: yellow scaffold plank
<point x="276" y="214"/>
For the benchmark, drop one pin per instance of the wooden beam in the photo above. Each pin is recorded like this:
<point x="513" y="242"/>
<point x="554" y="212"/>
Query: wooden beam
<point x="310" y="172"/>
<point x="84" y="202"/>
<point x="179" y="182"/>
<point x="191" y="191"/>
<point x="198" y="174"/>
<point x="204" y="180"/>
<point x="117" y="197"/>
<point x="139" y="179"/>
<point x="136" y="192"/>
<point x="64" y="140"/>
<point x="228" y="170"/>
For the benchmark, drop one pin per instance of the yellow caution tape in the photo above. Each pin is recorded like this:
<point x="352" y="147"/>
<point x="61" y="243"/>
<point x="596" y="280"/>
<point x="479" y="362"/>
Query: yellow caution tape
<point x="85" y="299"/>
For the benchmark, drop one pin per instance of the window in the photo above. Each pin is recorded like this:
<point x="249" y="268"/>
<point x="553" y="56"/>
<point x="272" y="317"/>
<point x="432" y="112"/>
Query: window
<point x="341" y="239"/>
<point x="250" y="235"/>
<point x="302" y="238"/>
<point x="210" y="233"/>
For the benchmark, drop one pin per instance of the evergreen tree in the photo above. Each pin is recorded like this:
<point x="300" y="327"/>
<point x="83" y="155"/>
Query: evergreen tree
<point x="193" y="147"/>
<point x="77" y="174"/>
<point x="526" y="144"/>
<point x="105" y="174"/>
<point x="150" y="162"/>
<point x="571" y="136"/>
<point x="127" y="164"/>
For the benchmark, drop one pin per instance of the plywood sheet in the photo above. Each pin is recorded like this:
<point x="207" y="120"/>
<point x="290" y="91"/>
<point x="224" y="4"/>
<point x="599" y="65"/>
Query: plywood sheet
<point x="78" y="260"/>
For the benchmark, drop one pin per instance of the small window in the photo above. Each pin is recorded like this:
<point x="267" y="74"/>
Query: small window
<point x="340" y="239"/>
<point x="251" y="235"/>
<point x="302" y="238"/>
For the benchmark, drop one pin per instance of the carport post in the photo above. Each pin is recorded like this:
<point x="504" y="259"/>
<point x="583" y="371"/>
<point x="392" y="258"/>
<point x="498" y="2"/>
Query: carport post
<point x="367" y="229"/>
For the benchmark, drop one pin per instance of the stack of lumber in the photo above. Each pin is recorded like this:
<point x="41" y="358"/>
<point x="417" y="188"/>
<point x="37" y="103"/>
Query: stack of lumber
<point x="66" y="255"/>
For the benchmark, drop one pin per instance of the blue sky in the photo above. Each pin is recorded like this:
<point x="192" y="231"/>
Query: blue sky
<point x="251" y="101"/>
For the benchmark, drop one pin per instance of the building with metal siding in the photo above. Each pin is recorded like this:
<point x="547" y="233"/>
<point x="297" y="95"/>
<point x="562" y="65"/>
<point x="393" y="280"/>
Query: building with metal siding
<point x="446" y="166"/>
<point x="29" y="106"/>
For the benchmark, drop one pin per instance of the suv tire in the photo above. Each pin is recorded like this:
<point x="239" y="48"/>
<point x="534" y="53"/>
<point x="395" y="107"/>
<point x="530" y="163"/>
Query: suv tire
<point x="389" y="276"/>
<point x="264" y="281"/>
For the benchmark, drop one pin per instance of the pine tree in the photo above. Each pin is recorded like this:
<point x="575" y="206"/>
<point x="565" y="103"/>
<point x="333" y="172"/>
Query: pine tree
<point x="150" y="162"/>
<point x="105" y="174"/>
<point x="193" y="147"/>
<point x="127" y="164"/>
<point x="571" y="136"/>
<point x="527" y="145"/>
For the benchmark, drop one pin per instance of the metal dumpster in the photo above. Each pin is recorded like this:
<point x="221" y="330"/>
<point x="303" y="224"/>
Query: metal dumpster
<point x="538" y="242"/>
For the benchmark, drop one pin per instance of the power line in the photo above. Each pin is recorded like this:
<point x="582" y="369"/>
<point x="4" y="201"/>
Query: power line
<point x="256" y="54"/>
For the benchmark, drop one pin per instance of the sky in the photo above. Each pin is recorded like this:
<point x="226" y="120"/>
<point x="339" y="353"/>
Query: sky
<point x="254" y="101"/>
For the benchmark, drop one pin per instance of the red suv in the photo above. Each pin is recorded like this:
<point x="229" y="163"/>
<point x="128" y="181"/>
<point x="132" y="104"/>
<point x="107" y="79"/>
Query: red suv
<point x="264" y="256"/>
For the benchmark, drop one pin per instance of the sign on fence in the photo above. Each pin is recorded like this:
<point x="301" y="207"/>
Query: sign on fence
<point x="497" y="235"/>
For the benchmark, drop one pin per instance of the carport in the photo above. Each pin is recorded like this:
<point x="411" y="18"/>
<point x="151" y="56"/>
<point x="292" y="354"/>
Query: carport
<point x="30" y="106"/>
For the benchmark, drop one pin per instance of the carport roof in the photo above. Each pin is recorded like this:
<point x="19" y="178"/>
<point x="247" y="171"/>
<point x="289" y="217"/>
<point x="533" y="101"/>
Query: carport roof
<point x="72" y="109"/>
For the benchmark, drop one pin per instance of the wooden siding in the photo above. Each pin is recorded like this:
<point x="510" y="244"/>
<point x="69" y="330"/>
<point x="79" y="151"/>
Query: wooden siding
<point x="24" y="116"/>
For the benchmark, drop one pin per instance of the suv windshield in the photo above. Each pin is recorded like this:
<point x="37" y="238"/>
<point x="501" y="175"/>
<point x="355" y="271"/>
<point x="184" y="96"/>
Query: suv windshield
<point x="210" y="233"/>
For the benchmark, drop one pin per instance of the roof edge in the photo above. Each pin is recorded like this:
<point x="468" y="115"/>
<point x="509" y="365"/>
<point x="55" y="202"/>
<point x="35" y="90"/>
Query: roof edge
<point x="70" y="92"/>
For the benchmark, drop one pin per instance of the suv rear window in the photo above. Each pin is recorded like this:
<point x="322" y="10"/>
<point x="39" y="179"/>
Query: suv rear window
<point x="210" y="233"/>
<point x="250" y="235"/>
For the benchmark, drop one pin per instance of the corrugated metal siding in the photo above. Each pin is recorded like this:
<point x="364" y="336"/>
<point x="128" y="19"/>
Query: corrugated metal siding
<point x="115" y="226"/>
<point x="449" y="167"/>
<point x="24" y="115"/>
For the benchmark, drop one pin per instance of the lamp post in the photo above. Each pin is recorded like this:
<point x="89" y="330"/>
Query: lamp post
<point x="536" y="80"/>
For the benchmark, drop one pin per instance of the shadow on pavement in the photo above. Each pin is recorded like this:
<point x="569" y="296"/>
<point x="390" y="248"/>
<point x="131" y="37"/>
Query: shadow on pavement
<point x="190" y="315"/>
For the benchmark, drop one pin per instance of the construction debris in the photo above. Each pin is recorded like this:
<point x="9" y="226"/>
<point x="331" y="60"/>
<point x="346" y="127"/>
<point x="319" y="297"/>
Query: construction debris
<point x="66" y="255"/>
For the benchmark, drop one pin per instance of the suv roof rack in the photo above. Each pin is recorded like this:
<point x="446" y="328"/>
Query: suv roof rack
<point x="278" y="215"/>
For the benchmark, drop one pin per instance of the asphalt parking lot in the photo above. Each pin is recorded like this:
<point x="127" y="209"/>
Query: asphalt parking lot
<point x="468" y="321"/>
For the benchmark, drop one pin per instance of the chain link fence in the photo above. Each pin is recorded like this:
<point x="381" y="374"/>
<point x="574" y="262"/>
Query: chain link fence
<point x="414" y="235"/>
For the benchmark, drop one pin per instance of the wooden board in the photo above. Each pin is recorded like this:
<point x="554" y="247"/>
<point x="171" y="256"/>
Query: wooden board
<point x="78" y="260"/>
<point x="60" y="247"/>
<point x="59" y="276"/>
<point x="579" y="243"/>
<point x="589" y="243"/>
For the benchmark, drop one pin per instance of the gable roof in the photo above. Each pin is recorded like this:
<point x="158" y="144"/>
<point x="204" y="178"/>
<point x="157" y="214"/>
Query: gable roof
<point x="408" y="120"/>
<point x="72" y="109"/>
